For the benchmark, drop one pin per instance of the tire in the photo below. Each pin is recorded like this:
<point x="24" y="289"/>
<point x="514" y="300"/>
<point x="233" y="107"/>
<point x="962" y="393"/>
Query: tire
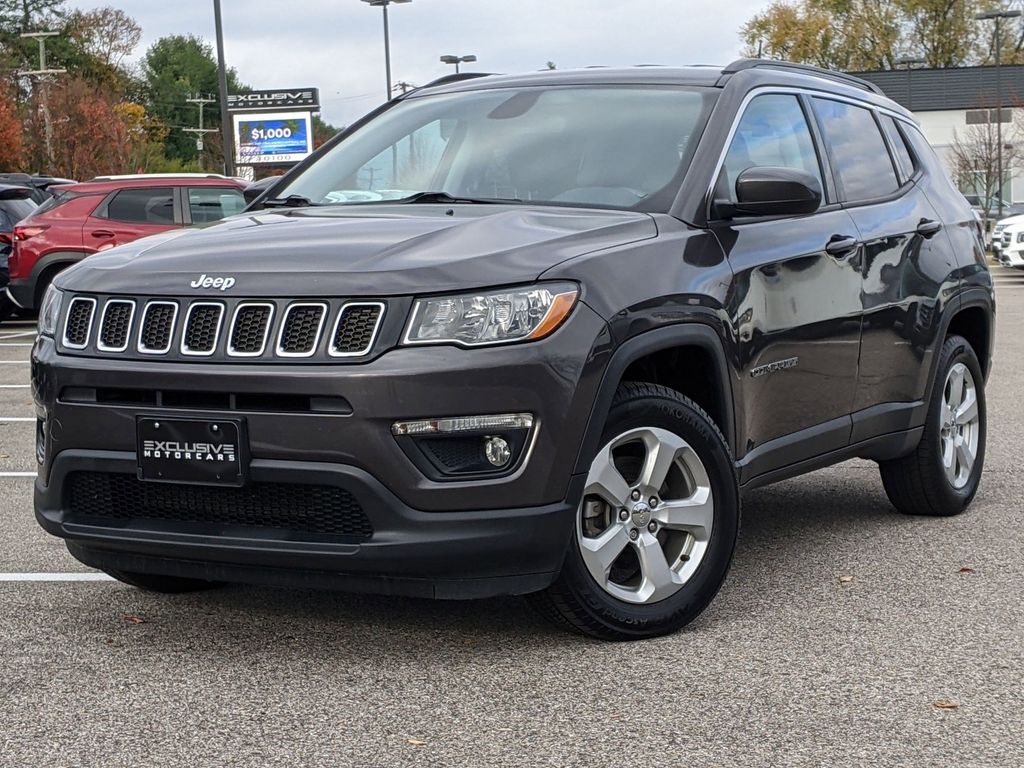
<point x="642" y="593"/>
<point x="924" y="483"/>
<point x="6" y="307"/>
<point x="170" y="585"/>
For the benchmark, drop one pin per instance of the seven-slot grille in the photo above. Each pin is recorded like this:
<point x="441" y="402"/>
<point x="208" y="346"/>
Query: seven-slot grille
<point x="267" y="329"/>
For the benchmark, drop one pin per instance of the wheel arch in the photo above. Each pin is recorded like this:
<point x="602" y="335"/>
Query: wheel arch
<point x="653" y="355"/>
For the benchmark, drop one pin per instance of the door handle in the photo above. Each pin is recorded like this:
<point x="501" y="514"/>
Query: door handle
<point x="840" y="245"/>
<point x="104" y="233"/>
<point x="928" y="228"/>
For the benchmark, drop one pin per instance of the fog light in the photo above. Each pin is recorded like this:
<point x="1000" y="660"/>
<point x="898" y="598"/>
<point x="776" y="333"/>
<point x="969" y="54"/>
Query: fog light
<point x="498" y="451"/>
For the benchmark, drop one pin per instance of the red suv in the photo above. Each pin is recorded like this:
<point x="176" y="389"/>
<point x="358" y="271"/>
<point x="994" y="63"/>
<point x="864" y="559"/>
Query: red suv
<point x="97" y="215"/>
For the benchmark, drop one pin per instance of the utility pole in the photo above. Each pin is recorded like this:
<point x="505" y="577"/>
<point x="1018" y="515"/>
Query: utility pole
<point x="998" y="16"/>
<point x="222" y="78"/>
<point x="403" y="87"/>
<point x="199" y="132"/>
<point x="43" y="86"/>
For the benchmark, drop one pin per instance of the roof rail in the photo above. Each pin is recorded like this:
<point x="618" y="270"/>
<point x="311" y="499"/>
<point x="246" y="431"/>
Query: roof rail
<point x="742" y="64"/>
<point x="455" y="77"/>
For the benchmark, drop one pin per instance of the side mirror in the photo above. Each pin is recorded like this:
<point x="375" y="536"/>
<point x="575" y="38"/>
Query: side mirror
<point x="776" y="192"/>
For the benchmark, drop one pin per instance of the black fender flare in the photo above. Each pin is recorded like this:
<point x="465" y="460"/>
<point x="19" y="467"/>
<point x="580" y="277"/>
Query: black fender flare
<point x="967" y="299"/>
<point x="687" y="334"/>
<point x="28" y="290"/>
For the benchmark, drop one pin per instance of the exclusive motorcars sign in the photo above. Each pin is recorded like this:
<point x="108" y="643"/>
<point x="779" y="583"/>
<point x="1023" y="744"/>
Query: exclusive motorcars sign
<point x="284" y="98"/>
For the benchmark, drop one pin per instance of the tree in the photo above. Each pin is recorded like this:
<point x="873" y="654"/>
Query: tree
<point x="323" y="131"/>
<point x="29" y="15"/>
<point x="975" y="158"/>
<point x="107" y="34"/>
<point x="12" y="149"/>
<point x="174" y="69"/>
<point x="855" y="35"/>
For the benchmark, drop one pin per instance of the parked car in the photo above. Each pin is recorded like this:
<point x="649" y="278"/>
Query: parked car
<point x="992" y="211"/>
<point x="15" y="204"/>
<point x="1000" y="227"/>
<point x="1011" y="252"/>
<point x="107" y="212"/>
<point x="605" y="303"/>
<point x="40" y="185"/>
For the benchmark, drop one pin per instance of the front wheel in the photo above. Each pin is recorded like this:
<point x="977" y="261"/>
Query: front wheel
<point x="655" y="532"/>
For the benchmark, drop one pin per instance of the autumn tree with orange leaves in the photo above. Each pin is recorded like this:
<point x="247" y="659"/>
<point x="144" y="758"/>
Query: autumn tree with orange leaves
<point x="12" y="148"/>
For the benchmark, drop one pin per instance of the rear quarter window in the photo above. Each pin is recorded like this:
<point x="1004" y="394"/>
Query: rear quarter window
<point x="857" y="150"/>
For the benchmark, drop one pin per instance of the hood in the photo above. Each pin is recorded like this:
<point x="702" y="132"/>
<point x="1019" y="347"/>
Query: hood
<point x="369" y="251"/>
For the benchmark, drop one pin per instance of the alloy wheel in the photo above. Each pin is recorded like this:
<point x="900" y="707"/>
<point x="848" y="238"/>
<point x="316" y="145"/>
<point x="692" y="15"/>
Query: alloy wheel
<point x="960" y="432"/>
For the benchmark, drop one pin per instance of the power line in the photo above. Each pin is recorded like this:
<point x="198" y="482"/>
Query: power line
<point x="42" y="74"/>
<point x="200" y="132"/>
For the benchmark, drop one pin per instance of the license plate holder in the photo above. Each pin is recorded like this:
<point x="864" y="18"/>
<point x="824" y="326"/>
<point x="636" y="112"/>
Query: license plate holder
<point x="192" y="451"/>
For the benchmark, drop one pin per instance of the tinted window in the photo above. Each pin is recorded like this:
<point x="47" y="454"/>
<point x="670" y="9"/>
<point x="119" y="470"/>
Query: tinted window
<point x="143" y="206"/>
<point x="904" y="160"/>
<point x="773" y="132"/>
<point x="13" y="211"/>
<point x="214" y="203"/>
<point x="858" y="153"/>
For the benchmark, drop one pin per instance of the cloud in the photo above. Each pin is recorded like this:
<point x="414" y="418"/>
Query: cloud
<point x="337" y="45"/>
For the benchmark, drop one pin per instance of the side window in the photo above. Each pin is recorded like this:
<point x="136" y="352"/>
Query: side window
<point x="208" y="204"/>
<point x="773" y="132"/>
<point x="857" y="150"/>
<point x="143" y="206"/>
<point x="904" y="160"/>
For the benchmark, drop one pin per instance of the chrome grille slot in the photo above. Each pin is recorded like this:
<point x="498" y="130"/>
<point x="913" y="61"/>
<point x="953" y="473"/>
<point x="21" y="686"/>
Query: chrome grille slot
<point x="157" y="332"/>
<point x="300" y="330"/>
<point x="250" y="328"/>
<point x="116" y="326"/>
<point x="78" y="324"/>
<point x="202" y="329"/>
<point x="356" y="329"/>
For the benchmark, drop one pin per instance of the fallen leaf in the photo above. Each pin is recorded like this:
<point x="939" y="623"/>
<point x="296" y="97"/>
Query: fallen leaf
<point x="5" y="455"/>
<point x="616" y="716"/>
<point x="946" y="704"/>
<point x="845" y="579"/>
<point x="965" y="569"/>
<point x="134" y="620"/>
<point x="417" y="742"/>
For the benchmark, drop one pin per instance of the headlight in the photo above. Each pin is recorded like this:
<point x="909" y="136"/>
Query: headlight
<point x="494" y="317"/>
<point x="49" y="311"/>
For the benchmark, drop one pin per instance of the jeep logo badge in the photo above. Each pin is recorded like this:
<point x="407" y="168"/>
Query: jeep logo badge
<point x="220" y="283"/>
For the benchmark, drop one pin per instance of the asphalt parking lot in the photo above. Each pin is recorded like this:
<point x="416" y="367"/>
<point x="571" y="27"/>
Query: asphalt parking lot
<point x="845" y="635"/>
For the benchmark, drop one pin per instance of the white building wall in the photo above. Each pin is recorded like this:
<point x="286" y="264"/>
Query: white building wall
<point x="941" y="129"/>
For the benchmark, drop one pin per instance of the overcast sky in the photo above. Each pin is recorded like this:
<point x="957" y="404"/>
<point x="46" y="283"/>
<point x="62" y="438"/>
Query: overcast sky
<point x="337" y="45"/>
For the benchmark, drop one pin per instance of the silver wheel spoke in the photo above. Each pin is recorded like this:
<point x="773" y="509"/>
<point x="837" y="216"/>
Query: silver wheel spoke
<point x="662" y="449"/>
<point x="694" y="514"/>
<point x="956" y="387"/>
<point x="968" y="410"/>
<point x="606" y="481"/>
<point x="658" y="578"/>
<point x="949" y="459"/>
<point x="600" y="553"/>
<point x="964" y="456"/>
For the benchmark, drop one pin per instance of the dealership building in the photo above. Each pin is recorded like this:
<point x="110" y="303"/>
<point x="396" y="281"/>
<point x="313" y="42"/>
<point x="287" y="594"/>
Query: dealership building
<point x="947" y="101"/>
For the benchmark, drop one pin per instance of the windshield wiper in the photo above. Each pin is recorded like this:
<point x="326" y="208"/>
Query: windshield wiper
<point x="292" y="201"/>
<point x="445" y="199"/>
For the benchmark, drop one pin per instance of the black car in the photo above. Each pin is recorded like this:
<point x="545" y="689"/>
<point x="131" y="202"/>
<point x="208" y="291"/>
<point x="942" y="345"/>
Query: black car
<point x="39" y="185"/>
<point x="15" y="204"/>
<point x="526" y="335"/>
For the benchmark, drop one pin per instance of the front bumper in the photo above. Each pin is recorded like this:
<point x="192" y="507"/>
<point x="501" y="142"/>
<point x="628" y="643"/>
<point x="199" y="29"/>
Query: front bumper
<point x="21" y="292"/>
<point x="465" y="538"/>
<point x="1011" y="258"/>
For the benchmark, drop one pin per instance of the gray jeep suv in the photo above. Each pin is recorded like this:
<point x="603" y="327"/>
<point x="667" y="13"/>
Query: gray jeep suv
<point x="526" y="335"/>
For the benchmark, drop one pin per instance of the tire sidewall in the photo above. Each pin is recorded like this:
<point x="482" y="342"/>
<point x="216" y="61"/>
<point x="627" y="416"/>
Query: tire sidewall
<point x="957" y="350"/>
<point x="669" y="614"/>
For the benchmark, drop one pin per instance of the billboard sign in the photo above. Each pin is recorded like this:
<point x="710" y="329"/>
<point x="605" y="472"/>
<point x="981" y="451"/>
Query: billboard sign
<point x="285" y="98"/>
<point x="273" y="138"/>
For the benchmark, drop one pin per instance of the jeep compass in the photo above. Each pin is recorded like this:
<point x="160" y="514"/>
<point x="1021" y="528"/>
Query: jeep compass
<point x="526" y="335"/>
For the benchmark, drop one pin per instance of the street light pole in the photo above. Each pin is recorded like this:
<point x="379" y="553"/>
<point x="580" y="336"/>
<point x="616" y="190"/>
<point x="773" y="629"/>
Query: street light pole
<point x="998" y="16"/>
<point x="908" y="62"/>
<point x="383" y="5"/>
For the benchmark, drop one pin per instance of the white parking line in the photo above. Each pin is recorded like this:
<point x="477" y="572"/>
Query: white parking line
<point x="55" y="577"/>
<point x="15" y="362"/>
<point x="10" y="344"/>
<point x="18" y="335"/>
<point x="5" y="419"/>
<point x="15" y="386"/>
<point x="19" y="474"/>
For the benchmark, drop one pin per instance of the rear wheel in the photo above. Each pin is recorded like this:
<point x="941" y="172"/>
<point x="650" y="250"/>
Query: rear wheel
<point x="152" y="582"/>
<point x="941" y="476"/>
<point x="655" y="533"/>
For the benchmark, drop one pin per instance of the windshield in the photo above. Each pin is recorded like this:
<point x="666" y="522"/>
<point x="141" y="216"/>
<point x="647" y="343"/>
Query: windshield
<point x="611" y="146"/>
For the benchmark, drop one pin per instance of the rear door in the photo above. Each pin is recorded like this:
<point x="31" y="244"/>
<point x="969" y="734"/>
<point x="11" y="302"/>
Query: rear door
<point x="795" y="300"/>
<point x="905" y="262"/>
<point x="129" y="214"/>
